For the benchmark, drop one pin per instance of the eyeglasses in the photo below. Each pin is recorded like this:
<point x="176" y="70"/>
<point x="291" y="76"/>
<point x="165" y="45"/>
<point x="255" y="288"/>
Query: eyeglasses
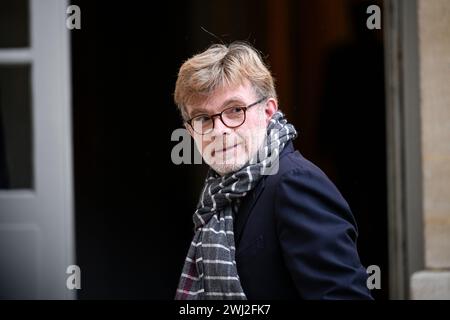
<point x="231" y="117"/>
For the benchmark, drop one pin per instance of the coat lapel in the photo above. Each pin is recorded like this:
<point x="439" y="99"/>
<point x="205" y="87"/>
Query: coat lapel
<point x="245" y="209"/>
<point x="249" y="201"/>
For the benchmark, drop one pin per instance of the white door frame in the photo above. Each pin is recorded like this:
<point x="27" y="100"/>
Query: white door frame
<point x="405" y="230"/>
<point x="41" y="220"/>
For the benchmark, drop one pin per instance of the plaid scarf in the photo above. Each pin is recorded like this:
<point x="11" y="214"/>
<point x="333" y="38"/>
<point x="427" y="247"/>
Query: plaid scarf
<point x="210" y="269"/>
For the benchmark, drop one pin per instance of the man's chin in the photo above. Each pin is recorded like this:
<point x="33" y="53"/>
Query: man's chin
<point x="223" y="168"/>
<point x="226" y="169"/>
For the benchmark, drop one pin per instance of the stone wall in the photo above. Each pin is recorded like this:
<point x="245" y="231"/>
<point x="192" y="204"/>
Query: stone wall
<point x="434" y="64"/>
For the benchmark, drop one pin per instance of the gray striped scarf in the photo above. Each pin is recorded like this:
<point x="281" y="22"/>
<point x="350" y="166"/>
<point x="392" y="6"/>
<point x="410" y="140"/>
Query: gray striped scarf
<point x="210" y="269"/>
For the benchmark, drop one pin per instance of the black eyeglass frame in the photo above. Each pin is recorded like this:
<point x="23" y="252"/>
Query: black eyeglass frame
<point x="245" y="108"/>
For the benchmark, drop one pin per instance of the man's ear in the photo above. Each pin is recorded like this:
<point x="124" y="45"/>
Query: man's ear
<point x="270" y="108"/>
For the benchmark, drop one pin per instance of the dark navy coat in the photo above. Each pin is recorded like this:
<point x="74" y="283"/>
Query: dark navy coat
<point x="296" y="237"/>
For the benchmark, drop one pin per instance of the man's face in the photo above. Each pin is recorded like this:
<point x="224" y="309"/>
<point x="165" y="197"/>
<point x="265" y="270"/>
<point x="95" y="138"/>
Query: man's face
<point x="228" y="149"/>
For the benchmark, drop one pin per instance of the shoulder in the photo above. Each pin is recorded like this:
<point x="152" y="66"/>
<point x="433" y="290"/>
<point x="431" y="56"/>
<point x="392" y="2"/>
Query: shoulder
<point x="293" y="166"/>
<point x="301" y="185"/>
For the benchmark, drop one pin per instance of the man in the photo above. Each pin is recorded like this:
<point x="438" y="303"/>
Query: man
<point x="269" y="224"/>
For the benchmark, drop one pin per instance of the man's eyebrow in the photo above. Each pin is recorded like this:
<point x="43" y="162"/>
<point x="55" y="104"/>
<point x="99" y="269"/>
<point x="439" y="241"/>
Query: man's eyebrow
<point x="231" y="100"/>
<point x="197" y="112"/>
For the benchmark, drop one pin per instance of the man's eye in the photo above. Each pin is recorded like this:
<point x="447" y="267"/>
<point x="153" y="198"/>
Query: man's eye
<point x="236" y="109"/>
<point x="201" y="118"/>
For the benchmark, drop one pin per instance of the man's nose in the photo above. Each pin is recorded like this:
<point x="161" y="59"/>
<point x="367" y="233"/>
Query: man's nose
<point x="219" y="127"/>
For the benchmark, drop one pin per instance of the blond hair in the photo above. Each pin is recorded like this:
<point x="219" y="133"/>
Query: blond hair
<point x="220" y="66"/>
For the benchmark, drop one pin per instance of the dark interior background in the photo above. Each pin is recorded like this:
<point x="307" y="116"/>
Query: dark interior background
<point x="133" y="205"/>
